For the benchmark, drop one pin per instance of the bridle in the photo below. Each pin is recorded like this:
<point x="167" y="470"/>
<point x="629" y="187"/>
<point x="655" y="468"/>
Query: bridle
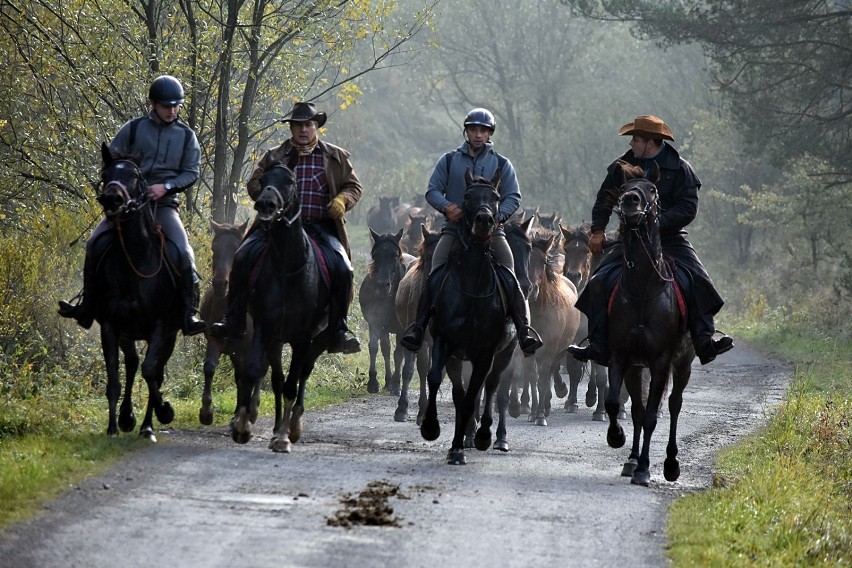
<point x="636" y="220"/>
<point x="286" y="205"/>
<point x="129" y="204"/>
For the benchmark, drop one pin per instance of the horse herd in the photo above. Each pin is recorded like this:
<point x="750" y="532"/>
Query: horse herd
<point x="470" y="338"/>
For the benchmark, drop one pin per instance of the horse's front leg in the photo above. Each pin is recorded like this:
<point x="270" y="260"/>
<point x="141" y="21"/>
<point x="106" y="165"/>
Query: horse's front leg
<point x="160" y="348"/>
<point x="109" y="347"/>
<point x="215" y="348"/>
<point x="633" y="386"/>
<point x="671" y="467"/>
<point x="615" y="433"/>
<point x="597" y="374"/>
<point x="398" y="353"/>
<point x="465" y="400"/>
<point x="659" y="378"/>
<point x="254" y="370"/>
<point x="126" y="416"/>
<point x="493" y="383"/>
<point x="384" y="344"/>
<point x="280" y="439"/>
<point x="430" y="429"/>
<point x="575" y="374"/>
<point x="373" y="345"/>
<point x="300" y="370"/>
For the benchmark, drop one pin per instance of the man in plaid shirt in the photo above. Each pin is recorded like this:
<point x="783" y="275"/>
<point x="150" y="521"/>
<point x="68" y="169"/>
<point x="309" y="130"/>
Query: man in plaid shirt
<point x="327" y="187"/>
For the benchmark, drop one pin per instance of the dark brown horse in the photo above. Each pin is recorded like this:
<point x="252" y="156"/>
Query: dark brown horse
<point x="647" y="330"/>
<point x="226" y="240"/>
<point x="470" y="322"/>
<point x="138" y="298"/>
<point x="376" y="295"/>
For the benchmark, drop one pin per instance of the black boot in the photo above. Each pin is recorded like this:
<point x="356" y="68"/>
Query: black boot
<point x="528" y="338"/>
<point x="84" y="311"/>
<point x="344" y="341"/>
<point x="702" y="330"/>
<point x="191" y="298"/>
<point x="233" y="324"/>
<point x="412" y="339"/>
<point x="598" y="348"/>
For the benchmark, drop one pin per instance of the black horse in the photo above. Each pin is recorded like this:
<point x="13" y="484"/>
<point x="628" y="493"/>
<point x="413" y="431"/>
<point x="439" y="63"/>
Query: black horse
<point x="288" y="303"/>
<point x="138" y="296"/>
<point x="377" y="296"/>
<point x="470" y="321"/>
<point x="647" y="330"/>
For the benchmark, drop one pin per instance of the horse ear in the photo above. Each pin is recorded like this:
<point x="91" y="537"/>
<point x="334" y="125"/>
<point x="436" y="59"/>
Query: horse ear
<point x="468" y="176"/>
<point x="655" y="172"/>
<point x="565" y="232"/>
<point x="424" y="230"/>
<point x="496" y="179"/>
<point x="373" y="234"/>
<point x="293" y="160"/>
<point x="525" y="226"/>
<point x="214" y="226"/>
<point x="105" y="153"/>
<point x="398" y="236"/>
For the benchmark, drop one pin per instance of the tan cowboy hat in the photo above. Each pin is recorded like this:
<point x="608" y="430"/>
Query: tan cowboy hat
<point x="647" y="126"/>
<point x="303" y="112"/>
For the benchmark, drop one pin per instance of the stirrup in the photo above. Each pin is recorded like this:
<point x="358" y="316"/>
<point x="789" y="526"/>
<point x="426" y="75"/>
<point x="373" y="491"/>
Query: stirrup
<point x="413" y="337"/>
<point x="533" y="342"/>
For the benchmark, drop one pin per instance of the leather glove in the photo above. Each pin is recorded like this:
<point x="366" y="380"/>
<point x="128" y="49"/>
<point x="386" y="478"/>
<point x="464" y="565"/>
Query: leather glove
<point x="337" y="207"/>
<point x="454" y="213"/>
<point x="597" y="241"/>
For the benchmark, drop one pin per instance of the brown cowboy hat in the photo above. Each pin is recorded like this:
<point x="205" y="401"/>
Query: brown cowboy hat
<point x="647" y="126"/>
<point x="303" y="112"/>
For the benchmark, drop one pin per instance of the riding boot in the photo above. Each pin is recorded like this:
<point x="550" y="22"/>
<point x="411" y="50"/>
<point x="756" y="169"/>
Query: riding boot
<point x="528" y="339"/>
<point x="84" y="311"/>
<point x="191" y="298"/>
<point x="343" y="341"/>
<point x="597" y="350"/>
<point x="412" y="339"/>
<point x="702" y="329"/>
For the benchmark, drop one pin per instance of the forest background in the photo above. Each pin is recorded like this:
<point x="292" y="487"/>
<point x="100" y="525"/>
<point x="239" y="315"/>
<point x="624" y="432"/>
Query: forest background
<point x="758" y="97"/>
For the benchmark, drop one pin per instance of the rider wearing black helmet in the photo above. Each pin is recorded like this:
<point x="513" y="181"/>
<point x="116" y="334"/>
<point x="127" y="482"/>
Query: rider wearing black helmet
<point x="446" y="193"/>
<point x="170" y="156"/>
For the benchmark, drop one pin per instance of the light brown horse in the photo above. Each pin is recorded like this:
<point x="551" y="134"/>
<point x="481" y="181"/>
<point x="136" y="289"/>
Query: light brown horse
<point x="407" y="296"/>
<point x="553" y="315"/>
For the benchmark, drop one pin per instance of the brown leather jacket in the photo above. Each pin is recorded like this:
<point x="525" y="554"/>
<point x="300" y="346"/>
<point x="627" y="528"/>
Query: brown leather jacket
<point x="339" y="173"/>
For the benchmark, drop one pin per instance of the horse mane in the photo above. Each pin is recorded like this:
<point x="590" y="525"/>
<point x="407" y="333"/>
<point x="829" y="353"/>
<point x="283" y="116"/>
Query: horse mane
<point x="540" y="236"/>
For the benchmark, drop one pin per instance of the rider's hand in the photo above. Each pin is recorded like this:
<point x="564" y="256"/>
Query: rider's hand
<point x="337" y="207"/>
<point x="597" y="241"/>
<point x="156" y="191"/>
<point x="454" y="213"/>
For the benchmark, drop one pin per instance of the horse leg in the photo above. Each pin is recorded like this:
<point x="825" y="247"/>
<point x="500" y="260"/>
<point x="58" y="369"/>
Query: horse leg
<point x="160" y="348"/>
<point x="513" y="373"/>
<point x="659" y="378"/>
<point x="304" y="366"/>
<point x="126" y="417"/>
<point x="373" y="382"/>
<point x="503" y="393"/>
<point x="211" y="363"/>
<point x="423" y="364"/>
<point x="254" y="371"/>
<point x="615" y="433"/>
<point x="575" y="374"/>
<point x="464" y="400"/>
<point x="493" y="383"/>
<point x="544" y="388"/>
<point x="280" y="439"/>
<point x="430" y="428"/>
<point x="598" y="372"/>
<point x="384" y="343"/>
<point x="454" y="371"/>
<point x="398" y="354"/>
<point x="401" y="413"/>
<point x="633" y="386"/>
<point x="671" y="466"/>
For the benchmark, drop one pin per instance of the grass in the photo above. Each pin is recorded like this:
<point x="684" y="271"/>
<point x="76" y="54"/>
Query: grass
<point x="783" y="496"/>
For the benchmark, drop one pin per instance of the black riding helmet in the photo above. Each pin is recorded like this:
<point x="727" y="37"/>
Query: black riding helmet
<point x="482" y="117"/>
<point x="166" y="90"/>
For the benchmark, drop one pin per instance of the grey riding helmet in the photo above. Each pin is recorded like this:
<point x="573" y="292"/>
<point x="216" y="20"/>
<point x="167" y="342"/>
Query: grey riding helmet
<point x="166" y="90"/>
<point x="481" y="117"/>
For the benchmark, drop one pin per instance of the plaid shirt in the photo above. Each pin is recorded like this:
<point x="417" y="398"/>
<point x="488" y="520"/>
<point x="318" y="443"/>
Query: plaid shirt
<point x="312" y="185"/>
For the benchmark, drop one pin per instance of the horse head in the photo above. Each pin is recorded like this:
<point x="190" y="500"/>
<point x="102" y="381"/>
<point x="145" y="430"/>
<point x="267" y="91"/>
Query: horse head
<point x="638" y="203"/>
<point x="278" y="200"/>
<point x="123" y="189"/>
<point x="226" y="241"/>
<point x="575" y="248"/>
<point x="481" y="205"/>
<point x="518" y="238"/>
<point x="385" y="260"/>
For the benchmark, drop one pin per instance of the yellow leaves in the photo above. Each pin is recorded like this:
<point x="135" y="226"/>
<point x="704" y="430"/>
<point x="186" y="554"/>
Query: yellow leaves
<point x="348" y="95"/>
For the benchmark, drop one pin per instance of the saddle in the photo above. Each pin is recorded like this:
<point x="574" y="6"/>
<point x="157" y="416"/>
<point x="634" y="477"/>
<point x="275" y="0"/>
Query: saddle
<point x="505" y="283"/>
<point x="677" y="285"/>
<point x="323" y="251"/>
<point x="106" y="240"/>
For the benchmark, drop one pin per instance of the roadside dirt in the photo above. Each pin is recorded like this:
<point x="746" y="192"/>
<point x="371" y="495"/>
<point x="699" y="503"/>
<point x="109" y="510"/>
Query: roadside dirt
<point x="362" y="490"/>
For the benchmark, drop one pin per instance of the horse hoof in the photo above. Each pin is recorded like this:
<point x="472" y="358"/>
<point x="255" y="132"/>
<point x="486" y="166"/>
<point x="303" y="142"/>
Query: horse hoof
<point x="456" y="457"/>
<point x="561" y="390"/>
<point x="525" y="409"/>
<point x="280" y="445"/>
<point x="541" y="421"/>
<point x="373" y="386"/>
<point x="205" y="417"/>
<point x="591" y="399"/>
<point x="599" y="417"/>
<point x="622" y="415"/>
<point x="429" y="433"/>
<point x="165" y="413"/>
<point x="629" y="467"/>
<point x="642" y="478"/>
<point x="127" y="424"/>
<point x="148" y="434"/>
<point x="400" y="416"/>
<point x="514" y="409"/>
<point x="615" y="437"/>
<point x="671" y="469"/>
<point x="501" y="445"/>
<point x="571" y="408"/>
<point x="482" y="441"/>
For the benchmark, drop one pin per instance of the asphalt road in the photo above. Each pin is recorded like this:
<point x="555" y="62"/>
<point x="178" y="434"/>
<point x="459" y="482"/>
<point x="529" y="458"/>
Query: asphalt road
<point x="196" y="499"/>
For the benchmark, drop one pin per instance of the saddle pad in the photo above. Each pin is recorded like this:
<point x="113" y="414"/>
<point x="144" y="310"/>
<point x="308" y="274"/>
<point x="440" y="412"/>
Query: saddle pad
<point x="681" y="301"/>
<point x="322" y="262"/>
